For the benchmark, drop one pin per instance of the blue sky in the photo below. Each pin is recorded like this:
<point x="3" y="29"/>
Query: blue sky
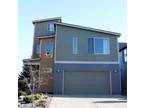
<point x="101" y="14"/>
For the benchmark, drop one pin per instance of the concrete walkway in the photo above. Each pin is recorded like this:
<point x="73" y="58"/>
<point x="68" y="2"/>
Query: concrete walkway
<point x="71" y="101"/>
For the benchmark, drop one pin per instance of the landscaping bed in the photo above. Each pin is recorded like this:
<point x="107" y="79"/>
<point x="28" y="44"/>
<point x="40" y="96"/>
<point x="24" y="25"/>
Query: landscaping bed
<point x="40" y="101"/>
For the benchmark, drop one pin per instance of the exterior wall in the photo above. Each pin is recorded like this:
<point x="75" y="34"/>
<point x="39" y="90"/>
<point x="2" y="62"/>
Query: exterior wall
<point x="46" y="62"/>
<point x="123" y="70"/>
<point x="123" y="65"/>
<point x="36" y="41"/>
<point x="41" y="29"/>
<point x="114" y="68"/>
<point x="64" y="53"/>
<point x="64" y="45"/>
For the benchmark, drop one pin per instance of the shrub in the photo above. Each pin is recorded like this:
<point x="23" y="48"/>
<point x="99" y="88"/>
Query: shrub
<point x="40" y="96"/>
<point x="45" y="97"/>
<point x="37" y="96"/>
<point x="28" y="99"/>
<point x="42" y="103"/>
<point x="19" y="93"/>
<point x="22" y="93"/>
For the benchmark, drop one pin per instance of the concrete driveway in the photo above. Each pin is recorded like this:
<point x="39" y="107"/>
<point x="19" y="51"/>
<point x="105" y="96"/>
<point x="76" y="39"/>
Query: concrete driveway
<point x="77" y="101"/>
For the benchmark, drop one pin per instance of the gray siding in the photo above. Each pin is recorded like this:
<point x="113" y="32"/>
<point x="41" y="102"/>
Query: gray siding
<point x="64" y="45"/>
<point x="36" y="41"/>
<point x="41" y="29"/>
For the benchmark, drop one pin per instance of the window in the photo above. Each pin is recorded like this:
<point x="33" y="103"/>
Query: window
<point x="38" y="49"/>
<point x="50" y="27"/>
<point x="75" y="45"/>
<point x="125" y="55"/>
<point x="98" y="45"/>
<point x="91" y="45"/>
<point x="49" y="49"/>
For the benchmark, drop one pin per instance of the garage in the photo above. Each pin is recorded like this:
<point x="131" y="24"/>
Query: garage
<point x="86" y="82"/>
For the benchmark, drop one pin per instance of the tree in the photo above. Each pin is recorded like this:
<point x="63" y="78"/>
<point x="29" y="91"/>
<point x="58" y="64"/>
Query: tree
<point x="25" y="73"/>
<point x="24" y="80"/>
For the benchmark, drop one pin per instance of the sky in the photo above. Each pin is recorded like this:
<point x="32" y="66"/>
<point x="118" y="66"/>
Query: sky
<point x="107" y="15"/>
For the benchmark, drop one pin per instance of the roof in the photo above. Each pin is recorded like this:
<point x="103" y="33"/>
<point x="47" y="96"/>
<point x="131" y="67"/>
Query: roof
<point x="27" y="60"/>
<point x="75" y="26"/>
<point x="88" y="28"/>
<point x="45" y="20"/>
<point x="30" y="61"/>
<point x="122" y="46"/>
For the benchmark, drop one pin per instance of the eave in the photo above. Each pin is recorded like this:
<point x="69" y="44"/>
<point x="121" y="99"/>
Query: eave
<point x="88" y="28"/>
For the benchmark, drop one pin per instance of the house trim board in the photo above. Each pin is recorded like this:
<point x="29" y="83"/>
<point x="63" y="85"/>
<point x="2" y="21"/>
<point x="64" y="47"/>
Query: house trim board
<point x="43" y="37"/>
<point x="31" y="63"/>
<point x="119" y="63"/>
<point x="88" y="62"/>
<point x="55" y="43"/>
<point x="63" y="82"/>
<point x="110" y="82"/>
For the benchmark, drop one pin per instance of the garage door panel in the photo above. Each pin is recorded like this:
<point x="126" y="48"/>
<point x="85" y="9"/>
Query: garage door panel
<point x="86" y="82"/>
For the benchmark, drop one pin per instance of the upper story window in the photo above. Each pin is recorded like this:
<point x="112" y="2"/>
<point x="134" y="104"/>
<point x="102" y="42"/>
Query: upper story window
<point x="50" y="28"/>
<point x="98" y="45"/>
<point x="125" y="55"/>
<point x="38" y="49"/>
<point x="75" y="45"/>
<point x="49" y="49"/>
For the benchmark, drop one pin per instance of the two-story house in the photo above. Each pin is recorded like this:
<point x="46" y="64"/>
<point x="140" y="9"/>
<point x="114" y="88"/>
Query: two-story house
<point x="74" y="59"/>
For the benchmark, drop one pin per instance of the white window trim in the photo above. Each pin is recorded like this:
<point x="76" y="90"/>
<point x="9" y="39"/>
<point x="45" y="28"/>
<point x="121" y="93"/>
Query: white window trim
<point x="75" y="45"/>
<point x="94" y="46"/>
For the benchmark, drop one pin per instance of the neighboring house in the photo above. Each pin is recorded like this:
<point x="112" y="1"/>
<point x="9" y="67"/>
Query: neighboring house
<point x="73" y="59"/>
<point x="123" y="66"/>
